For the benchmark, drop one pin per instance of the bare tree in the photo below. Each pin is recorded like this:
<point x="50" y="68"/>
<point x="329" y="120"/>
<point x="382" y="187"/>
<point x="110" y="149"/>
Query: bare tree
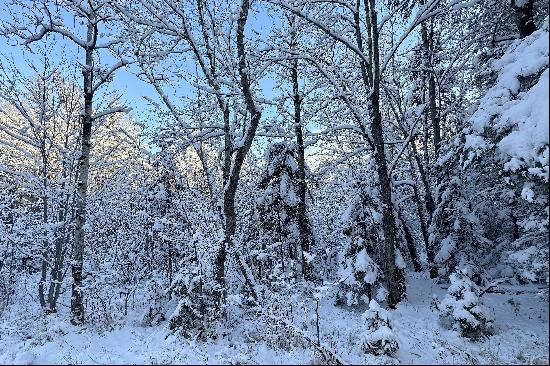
<point x="48" y="17"/>
<point x="199" y="26"/>
<point x="46" y="105"/>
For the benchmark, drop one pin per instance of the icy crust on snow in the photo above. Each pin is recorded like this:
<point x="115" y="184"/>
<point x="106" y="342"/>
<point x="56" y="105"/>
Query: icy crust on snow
<point x="521" y="115"/>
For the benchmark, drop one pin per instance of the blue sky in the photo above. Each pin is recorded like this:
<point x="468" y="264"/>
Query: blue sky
<point x="125" y="82"/>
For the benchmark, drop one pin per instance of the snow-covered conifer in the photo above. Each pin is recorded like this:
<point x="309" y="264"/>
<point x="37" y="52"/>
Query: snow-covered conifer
<point x="379" y="338"/>
<point x="463" y="308"/>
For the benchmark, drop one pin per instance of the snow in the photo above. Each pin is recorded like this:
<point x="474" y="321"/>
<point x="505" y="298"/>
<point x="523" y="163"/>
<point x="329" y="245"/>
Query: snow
<point x="527" y="193"/>
<point x="309" y="258"/>
<point x="153" y="272"/>
<point x="520" y="337"/>
<point x="520" y="3"/>
<point x="448" y="245"/>
<point x="526" y="57"/>
<point x="475" y="142"/>
<point x="399" y="261"/>
<point x="362" y="261"/>
<point x="530" y="115"/>
<point x="519" y="114"/>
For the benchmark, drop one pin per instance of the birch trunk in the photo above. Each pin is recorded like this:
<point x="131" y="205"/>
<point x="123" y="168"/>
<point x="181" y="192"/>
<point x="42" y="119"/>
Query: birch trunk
<point x="77" y="302"/>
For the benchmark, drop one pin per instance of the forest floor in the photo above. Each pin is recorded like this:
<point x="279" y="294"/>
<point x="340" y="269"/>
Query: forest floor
<point x="521" y="337"/>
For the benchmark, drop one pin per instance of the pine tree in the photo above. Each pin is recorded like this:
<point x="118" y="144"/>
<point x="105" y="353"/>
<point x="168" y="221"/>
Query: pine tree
<point x="463" y="308"/>
<point x="379" y="338"/>
<point x="277" y="210"/>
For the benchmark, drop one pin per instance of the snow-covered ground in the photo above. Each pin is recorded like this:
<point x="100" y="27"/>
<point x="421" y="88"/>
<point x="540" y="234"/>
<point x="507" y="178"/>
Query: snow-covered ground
<point x="521" y="336"/>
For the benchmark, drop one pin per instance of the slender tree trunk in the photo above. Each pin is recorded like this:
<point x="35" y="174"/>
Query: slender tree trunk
<point x="303" y="222"/>
<point x="45" y="259"/>
<point x="395" y="276"/>
<point x="424" y="231"/>
<point x="524" y="17"/>
<point x="428" y="70"/>
<point x="61" y="240"/>
<point x="45" y="249"/>
<point x="514" y="219"/>
<point x="371" y="78"/>
<point x="44" y="173"/>
<point x="55" y="274"/>
<point x="230" y="228"/>
<point x="410" y="245"/>
<point x="233" y="175"/>
<point x="430" y="204"/>
<point x="77" y="304"/>
<point x="427" y="45"/>
<point x="433" y="115"/>
<point x="430" y="208"/>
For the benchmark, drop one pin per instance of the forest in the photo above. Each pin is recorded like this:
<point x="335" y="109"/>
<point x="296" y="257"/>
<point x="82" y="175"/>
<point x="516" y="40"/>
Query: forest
<point x="274" y="182"/>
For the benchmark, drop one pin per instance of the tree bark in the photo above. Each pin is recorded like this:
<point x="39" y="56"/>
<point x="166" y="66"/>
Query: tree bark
<point x="77" y="304"/>
<point x="524" y="17"/>
<point x="45" y="243"/>
<point x="370" y="72"/>
<point x="430" y="208"/>
<point x="428" y="71"/>
<point x="394" y="275"/>
<point x="410" y="245"/>
<point x="230" y="188"/>
<point x="303" y="222"/>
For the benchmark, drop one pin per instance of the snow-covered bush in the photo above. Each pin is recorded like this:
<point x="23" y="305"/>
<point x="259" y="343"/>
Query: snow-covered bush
<point x="456" y="229"/>
<point x="191" y="300"/>
<point x="463" y="308"/>
<point x="360" y="275"/>
<point x="379" y="338"/>
<point x="361" y="235"/>
<point x="507" y="145"/>
<point x="155" y="300"/>
<point x="277" y="210"/>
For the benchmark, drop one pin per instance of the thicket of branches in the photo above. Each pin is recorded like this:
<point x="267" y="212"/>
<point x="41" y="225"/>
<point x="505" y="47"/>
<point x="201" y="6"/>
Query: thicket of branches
<point x="301" y="149"/>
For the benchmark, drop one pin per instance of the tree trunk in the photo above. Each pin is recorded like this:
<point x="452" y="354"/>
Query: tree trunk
<point x="44" y="173"/>
<point x="427" y="45"/>
<point x="524" y="17"/>
<point x="303" y="222"/>
<point x="77" y="304"/>
<point x="425" y="236"/>
<point x="370" y="72"/>
<point x="410" y="245"/>
<point x="230" y="187"/>
<point x="56" y="275"/>
<point x="45" y="244"/>
<point x="394" y="275"/>
<point x="430" y="207"/>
